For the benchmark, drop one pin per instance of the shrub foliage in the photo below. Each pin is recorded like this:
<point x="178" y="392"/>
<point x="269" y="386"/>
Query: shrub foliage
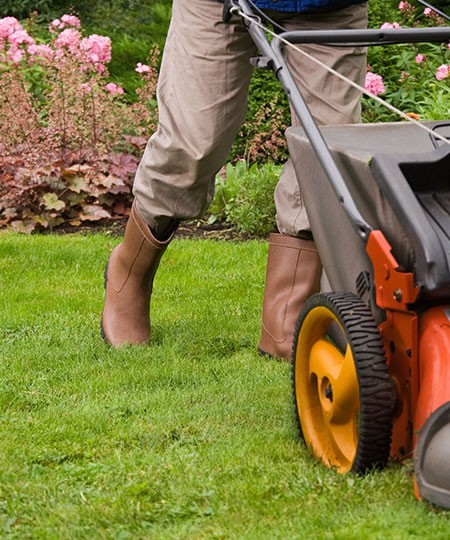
<point x="67" y="150"/>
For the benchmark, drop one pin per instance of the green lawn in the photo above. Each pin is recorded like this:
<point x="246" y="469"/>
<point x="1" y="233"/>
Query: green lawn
<point x="193" y="437"/>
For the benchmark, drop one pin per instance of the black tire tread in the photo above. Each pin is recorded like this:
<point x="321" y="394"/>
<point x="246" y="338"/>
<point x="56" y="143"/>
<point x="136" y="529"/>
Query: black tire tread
<point x="375" y="387"/>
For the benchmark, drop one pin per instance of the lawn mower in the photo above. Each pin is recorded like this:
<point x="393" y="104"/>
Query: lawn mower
<point x="371" y="352"/>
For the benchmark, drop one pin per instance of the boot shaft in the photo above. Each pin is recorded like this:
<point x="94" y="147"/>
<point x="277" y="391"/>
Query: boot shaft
<point x="292" y="276"/>
<point x="129" y="277"/>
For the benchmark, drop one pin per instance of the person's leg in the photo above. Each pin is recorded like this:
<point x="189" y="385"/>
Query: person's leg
<point x="202" y="96"/>
<point x="330" y="99"/>
<point x="293" y="267"/>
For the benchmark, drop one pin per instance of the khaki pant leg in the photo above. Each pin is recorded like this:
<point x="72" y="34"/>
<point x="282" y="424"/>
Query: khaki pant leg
<point x="331" y="100"/>
<point x="202" y="98"/>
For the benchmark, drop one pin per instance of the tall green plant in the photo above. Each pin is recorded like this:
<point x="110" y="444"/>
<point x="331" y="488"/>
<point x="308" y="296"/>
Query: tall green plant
<point x="244" y="198"/>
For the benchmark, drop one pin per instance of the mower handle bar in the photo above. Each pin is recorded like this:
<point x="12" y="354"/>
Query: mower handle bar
<point x="369" y="37"/>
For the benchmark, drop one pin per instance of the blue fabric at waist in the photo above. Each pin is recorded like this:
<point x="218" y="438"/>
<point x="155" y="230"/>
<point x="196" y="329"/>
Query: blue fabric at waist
<point x="301" y="6"/>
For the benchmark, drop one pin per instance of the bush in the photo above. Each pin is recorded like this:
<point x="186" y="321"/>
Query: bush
<point x="46" y="9"/>
<point x="66" y="143"/>
<point x="411" y="72"/>
<point x="134" y="26"/>
<point x="244" y="198"/>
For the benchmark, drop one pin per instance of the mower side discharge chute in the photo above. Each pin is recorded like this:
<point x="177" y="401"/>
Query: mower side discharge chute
<point x="432" y="458"/>
<point x="432" y="418"/>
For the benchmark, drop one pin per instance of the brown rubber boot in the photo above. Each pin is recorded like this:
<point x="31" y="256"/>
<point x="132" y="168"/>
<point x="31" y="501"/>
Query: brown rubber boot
<point x="128" y="282"/>
<point x="292" y="276"/>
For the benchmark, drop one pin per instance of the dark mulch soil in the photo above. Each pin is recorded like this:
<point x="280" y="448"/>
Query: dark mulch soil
<point x="187" y="229"/>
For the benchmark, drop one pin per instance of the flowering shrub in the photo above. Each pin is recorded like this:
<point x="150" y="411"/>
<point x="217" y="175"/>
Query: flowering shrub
<point x="409" y="75"/>
<point x="66" y="147"/>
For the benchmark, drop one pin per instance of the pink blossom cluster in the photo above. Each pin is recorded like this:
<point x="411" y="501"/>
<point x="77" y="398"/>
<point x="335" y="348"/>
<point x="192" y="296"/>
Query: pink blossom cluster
<point x="431" y="14"/>
<point x="374" y="84"/>
<point x="40" y="51"/>
<point x="66" y="20"/>
<point x="13" y="37"/>
<point x="68" y="39"/>
<point x="442" y="72"/>
<point x="405" y="7"/>
<point x="142" y="68"/>
<point x="113" y="88"/>
<point x="94" y="52"/>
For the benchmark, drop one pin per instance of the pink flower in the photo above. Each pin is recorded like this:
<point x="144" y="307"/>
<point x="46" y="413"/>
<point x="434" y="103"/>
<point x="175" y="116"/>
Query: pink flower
<point x="56" y="23"/>
<point x="69" y="39"/>
<point x="387" y="25"/>
<point x="71" y="20"/>
<point x="66" y="20"/>
<point x="443" y="71"/>
<point x="420" y="58"/>
<point x="9" y="25"/>
<point x="374" y="84"/>
<point x="404" y="6"/>
<point x="13" y="38"/>
<point x="18" y="37"/>
<point x="97" y="51"/>
<point x="114" y="89"/>
<point x="45" y="51"/>
<point x="428" y="12"/>
<point x="15" y="54"/>
<point x="142" y="68"/>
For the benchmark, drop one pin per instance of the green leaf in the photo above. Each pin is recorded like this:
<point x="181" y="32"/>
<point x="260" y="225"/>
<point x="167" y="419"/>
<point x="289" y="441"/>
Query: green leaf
<point x="77" y="184"/>
<point x="51" y="202"/>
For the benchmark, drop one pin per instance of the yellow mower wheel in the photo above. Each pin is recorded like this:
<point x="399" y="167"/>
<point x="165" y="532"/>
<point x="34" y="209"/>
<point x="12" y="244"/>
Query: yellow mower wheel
<point x="342" y="390"/>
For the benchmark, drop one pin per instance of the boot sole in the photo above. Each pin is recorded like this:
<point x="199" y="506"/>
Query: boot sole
<point x="269" y="356"/>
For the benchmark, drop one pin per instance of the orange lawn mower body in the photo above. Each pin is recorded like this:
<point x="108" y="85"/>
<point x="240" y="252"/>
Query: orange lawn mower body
<point x="404" y="284"/>
<point x="419" y="342"/>
<point x="371" y="353"/>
